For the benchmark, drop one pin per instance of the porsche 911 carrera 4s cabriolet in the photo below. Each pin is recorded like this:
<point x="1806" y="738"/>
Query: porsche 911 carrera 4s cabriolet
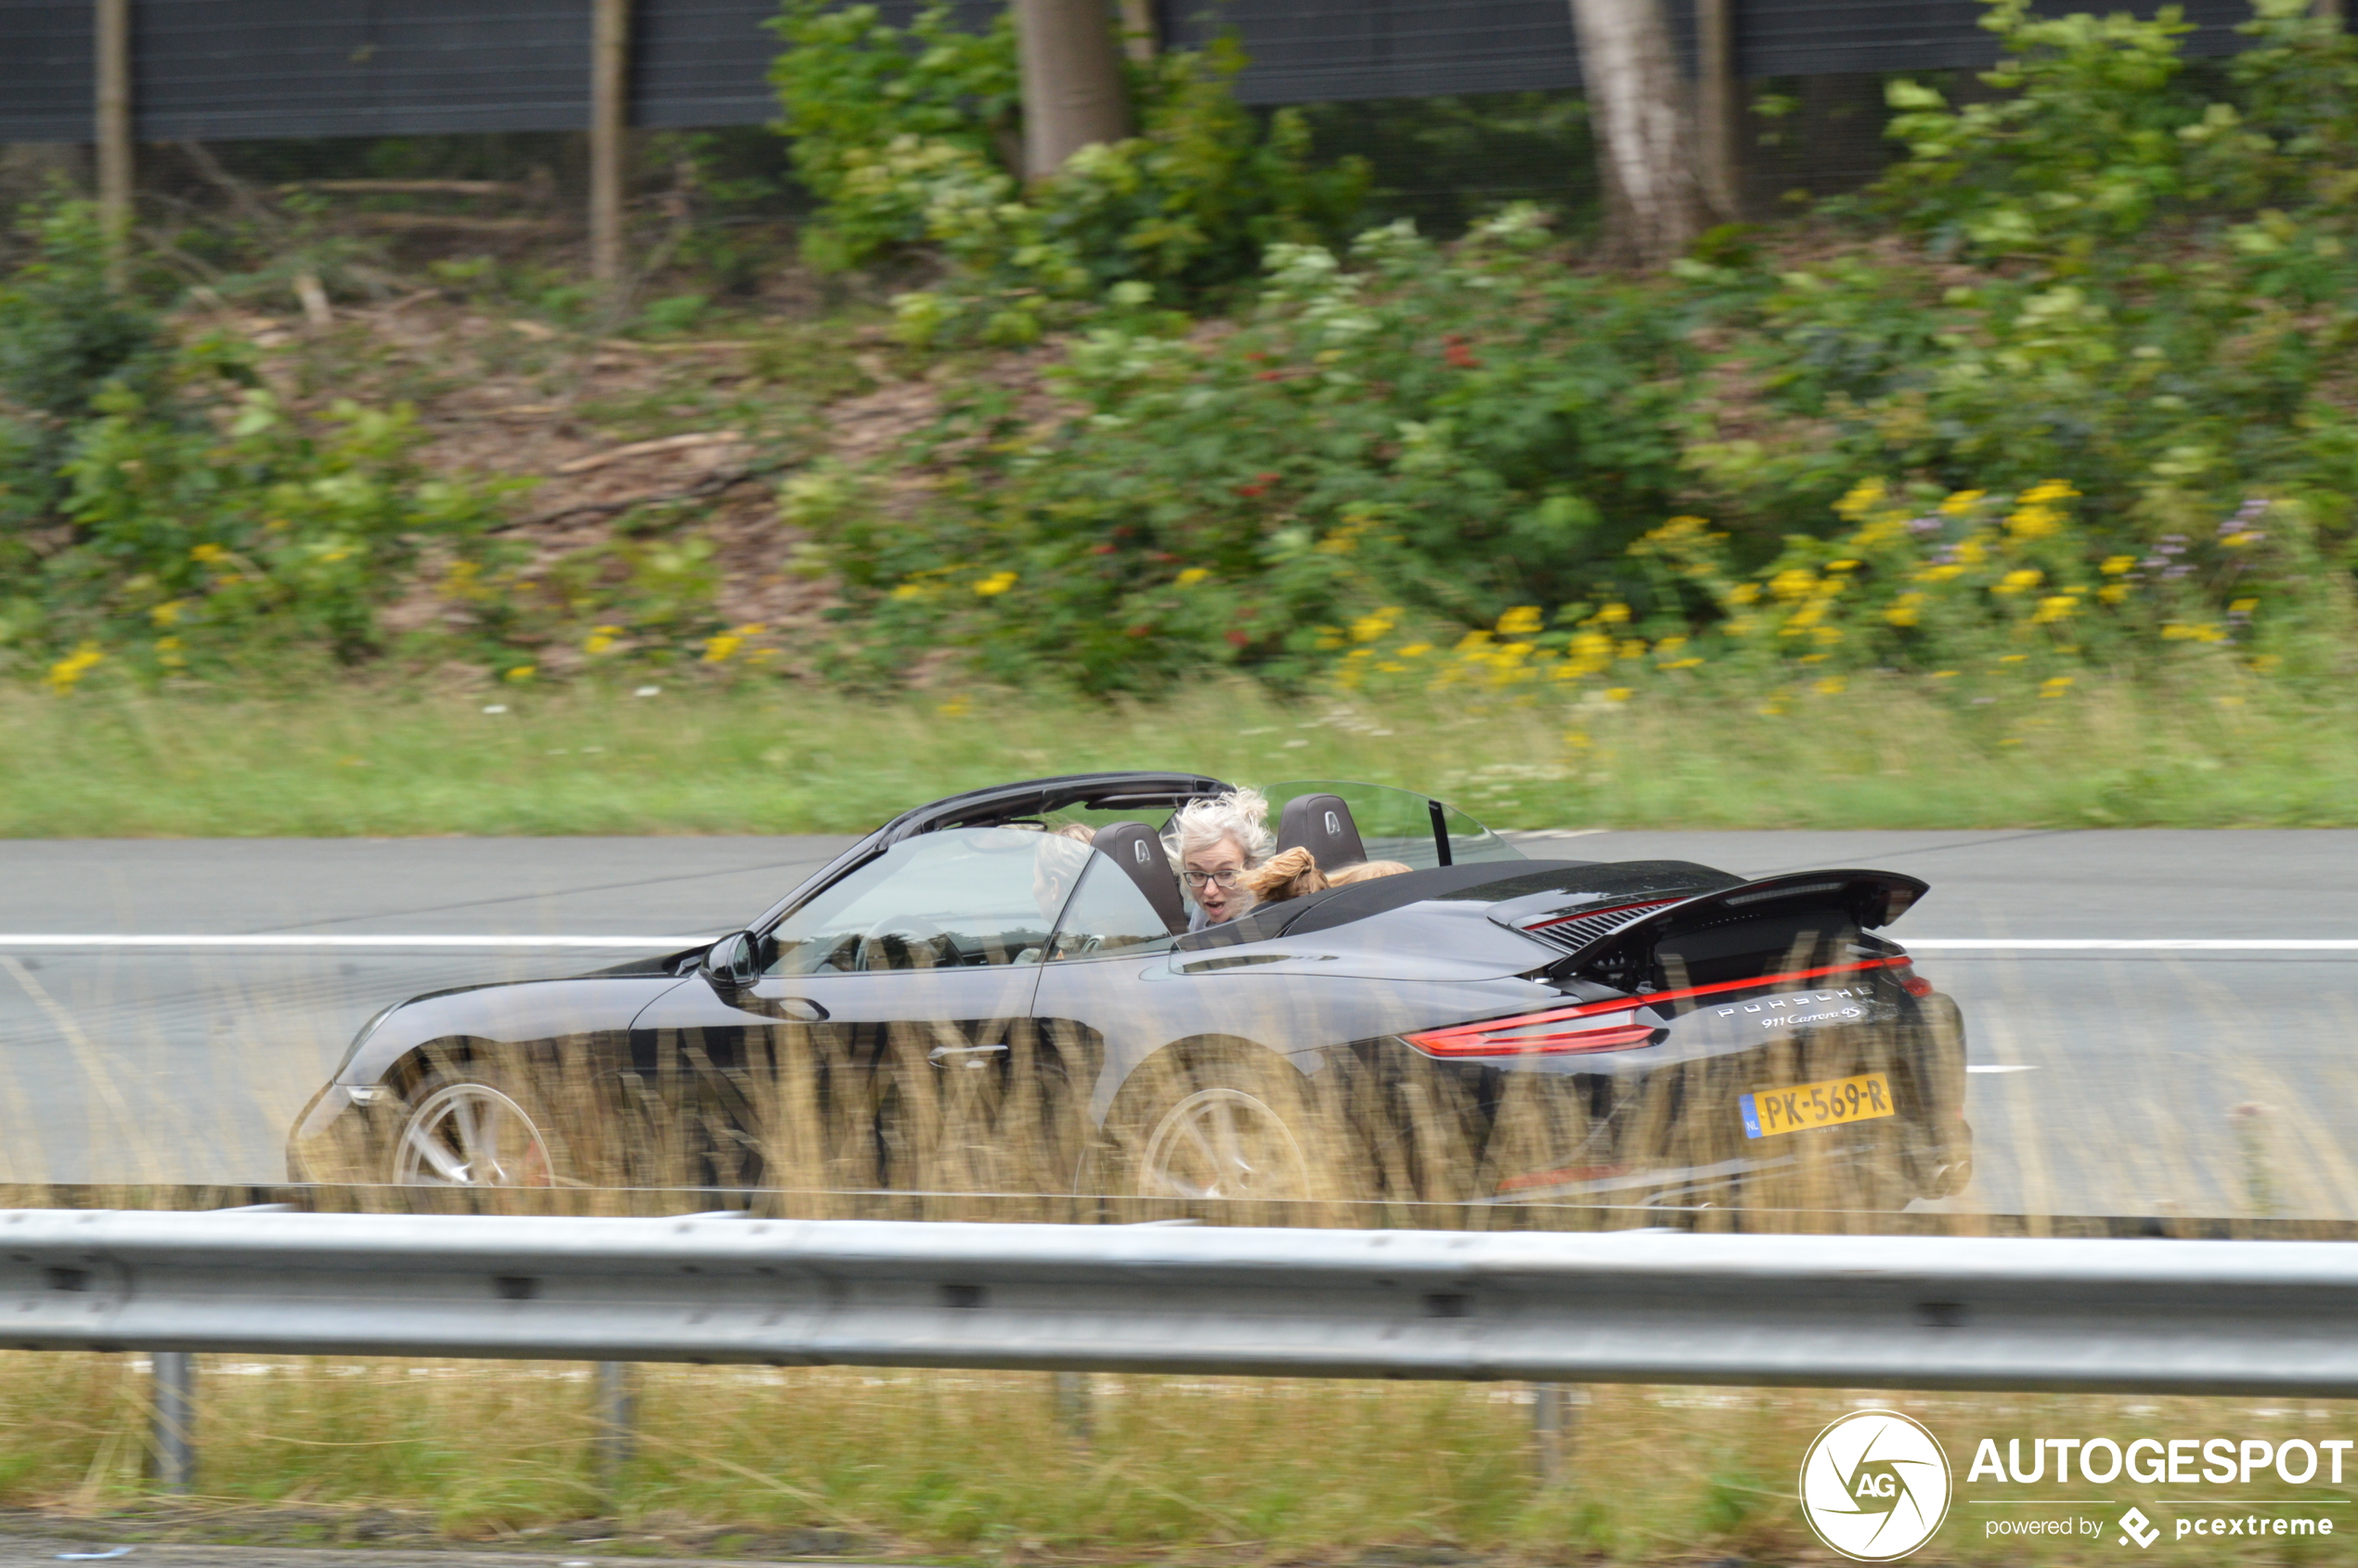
<point x="970" y="999"/>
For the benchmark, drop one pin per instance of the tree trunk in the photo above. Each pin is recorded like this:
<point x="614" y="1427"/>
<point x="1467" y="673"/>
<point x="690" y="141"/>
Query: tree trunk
<point x="1073" y="93"/>
<point x="1638" y="107"/>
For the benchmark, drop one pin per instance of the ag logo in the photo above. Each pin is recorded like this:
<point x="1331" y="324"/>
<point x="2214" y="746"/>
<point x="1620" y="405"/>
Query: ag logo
<point x="1874" y="1486"/>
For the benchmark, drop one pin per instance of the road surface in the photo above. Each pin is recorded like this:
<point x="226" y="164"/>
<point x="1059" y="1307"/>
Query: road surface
<point x="2207" y="1078"/>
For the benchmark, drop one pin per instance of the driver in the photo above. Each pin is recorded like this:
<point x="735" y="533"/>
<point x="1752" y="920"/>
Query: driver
<point x="1215" y="842"/>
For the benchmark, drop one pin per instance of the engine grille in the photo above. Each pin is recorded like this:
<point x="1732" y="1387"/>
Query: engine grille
<point x="1573" y="932"/>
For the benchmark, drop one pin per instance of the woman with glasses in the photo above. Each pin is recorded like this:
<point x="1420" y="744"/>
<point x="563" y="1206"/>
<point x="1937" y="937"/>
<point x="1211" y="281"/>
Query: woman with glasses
<point x="1215" y="842"/>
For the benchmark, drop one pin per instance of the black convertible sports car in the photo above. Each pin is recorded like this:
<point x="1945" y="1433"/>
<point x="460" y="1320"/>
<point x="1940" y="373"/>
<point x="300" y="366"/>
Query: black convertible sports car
<point x="968" y="999"/>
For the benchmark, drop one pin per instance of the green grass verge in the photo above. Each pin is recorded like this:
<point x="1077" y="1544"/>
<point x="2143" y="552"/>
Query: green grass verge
<point x="1886" y="753"/>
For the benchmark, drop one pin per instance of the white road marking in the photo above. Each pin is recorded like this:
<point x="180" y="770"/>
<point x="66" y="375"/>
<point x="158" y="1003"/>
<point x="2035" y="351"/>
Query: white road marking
<point x="2004" y="1067"/>
<point x="17" y="939"/>
<point x="2140" y="944"/>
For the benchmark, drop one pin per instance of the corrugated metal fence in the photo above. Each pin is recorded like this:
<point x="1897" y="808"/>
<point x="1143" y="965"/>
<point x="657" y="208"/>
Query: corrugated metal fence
<point x="253" y="70"/>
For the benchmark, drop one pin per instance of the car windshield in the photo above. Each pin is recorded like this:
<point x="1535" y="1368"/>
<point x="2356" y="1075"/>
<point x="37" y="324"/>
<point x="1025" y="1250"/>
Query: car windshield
<point x="1398" y="824"/>
<point x="956" y="899"/>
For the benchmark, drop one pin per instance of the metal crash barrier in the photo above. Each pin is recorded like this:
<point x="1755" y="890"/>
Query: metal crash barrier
<point x="2158" y="1316"/>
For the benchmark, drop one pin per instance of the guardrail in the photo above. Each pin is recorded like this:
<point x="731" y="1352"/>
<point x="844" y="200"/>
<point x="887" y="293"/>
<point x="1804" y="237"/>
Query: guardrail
<point x="1618" y="1306"/>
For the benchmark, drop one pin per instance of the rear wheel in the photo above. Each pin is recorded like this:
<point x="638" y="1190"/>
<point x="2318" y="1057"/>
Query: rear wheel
<point x="474" y="1131"/>
<point x="1229" y="1123"/>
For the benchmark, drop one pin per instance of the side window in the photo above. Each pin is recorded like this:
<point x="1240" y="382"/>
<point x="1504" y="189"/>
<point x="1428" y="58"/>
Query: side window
<point x="965" y="897"/>
<point x="1108" y="917"/>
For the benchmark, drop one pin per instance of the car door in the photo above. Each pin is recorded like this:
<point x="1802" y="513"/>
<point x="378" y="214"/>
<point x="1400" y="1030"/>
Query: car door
<point x="886" y="1041"/>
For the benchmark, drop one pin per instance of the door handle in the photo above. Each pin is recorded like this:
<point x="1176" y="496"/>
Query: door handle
<point x="963" y="1055"/>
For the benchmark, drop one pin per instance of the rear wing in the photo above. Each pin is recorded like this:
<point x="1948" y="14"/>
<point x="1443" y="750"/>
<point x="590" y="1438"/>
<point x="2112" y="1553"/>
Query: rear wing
<point x="1864" y="899"/>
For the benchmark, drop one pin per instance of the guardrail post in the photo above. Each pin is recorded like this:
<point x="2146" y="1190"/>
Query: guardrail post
<point x="1552" y="1431"/>
<point x="175" y="1420"/>
<point x="616" y="1396"/>
<point x="1076" y="1408"/>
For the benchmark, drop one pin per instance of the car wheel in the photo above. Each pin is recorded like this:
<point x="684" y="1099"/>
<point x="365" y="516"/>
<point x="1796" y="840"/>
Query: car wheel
<point x="474" y="1131"/>
<point x="1227" y="1125"/>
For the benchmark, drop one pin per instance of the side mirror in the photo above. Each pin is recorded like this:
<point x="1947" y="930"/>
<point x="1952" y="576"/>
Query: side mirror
<point x="733" y="961"/>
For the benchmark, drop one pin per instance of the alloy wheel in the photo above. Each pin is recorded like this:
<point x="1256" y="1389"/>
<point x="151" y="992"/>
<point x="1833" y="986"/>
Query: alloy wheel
<point x="470" y="1134"/>
<point x="1223" y="1143"/>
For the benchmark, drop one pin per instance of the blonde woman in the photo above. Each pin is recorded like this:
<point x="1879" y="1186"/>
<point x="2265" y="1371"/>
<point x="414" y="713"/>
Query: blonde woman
<point x="1214" y="843"/>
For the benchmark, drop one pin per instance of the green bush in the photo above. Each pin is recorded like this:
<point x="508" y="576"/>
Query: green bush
<point x="159" y="507"/>
<point x="911" y="140"/>
<point x="1439" y="434"/>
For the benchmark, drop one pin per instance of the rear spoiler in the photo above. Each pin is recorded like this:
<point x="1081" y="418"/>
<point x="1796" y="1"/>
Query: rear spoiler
<point x="1869" y="898"/>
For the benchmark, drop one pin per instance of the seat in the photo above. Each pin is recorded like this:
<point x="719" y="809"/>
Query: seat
<point x="1138" y="851"/>
<point x="1322" y="825"/>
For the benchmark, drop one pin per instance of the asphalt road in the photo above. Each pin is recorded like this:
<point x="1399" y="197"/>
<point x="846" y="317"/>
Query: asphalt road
<point x="2122" y="1079"/>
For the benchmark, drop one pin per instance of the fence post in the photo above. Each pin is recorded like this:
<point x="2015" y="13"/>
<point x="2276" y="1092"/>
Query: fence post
<point x="1552" y="1431"/>
<point x="112" y="69"/>
<point x="174" y="1419"/>
<point x="609" y="136"/>
<point x="1718" y="113"/>
<point x="616" y="1397"/>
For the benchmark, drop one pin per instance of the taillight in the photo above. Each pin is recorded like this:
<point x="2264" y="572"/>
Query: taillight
<point x="1606" y="1026"/>
<point x="1910" y="981"/>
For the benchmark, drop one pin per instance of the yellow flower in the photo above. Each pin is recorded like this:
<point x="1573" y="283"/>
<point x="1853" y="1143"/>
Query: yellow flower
<point x="2055" y="685"/>
<point x="1684" y="664"/>
<point x="601" y="640"/>
<point x="905" y="591"/>
<point x="2116" y="565"/>
<point x="2054" y="607"/>
<point x="1613" y="615"/>
<point x="1962" y="501"/>
<point x="2035" y="522"/>
<point x="2048" y="490"/>
<point x="1415" y="650"/>
<point x="1743" y="593"/>
<point x="208" y="553"/>
<point x="1191" y="577"/>
<point x="1633" y="648"/>
<point x="1523" y="620"/>
<point x="2244" y="607"/>
<point x="1904" y="610"/>
<point x="995" y="584"/>
<point x="1618" y="694"/>
<point x="521" y="673"/>
<point x="67" y="671"/>
<point x="1793" y="583"/>
<point x="2011" y="658"/>
<point x="1826" y="636"/>
<point x="1832" y="686"/>
<point x="2236" y="542"/>
<point x="720" y="649"/>
<point x="1575" y="738"/>
<point x="2113" y="593"/>
<point x="956" y="707"/>
<point x="1861" y="499"/>
<point x="1366" y="629"/>
<point x="2017" y="581"/>
<point x="1473" y="642"/>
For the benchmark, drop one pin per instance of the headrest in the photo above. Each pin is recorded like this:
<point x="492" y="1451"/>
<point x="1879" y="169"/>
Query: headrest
<point x="1134" y="848"/>
<point x="1322" y="825"/>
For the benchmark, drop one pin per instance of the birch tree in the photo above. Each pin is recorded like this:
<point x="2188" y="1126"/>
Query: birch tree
<point x="1647" y="148"/>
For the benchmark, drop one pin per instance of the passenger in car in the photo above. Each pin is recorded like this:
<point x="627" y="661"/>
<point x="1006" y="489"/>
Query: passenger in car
<point x="1215" y="842"/>
<point x="1293" y="874"/>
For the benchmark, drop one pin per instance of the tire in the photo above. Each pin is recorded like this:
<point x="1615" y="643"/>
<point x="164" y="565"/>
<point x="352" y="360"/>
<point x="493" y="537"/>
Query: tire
<point x="1225" y="1124"/>
<point x="475" y="1128"/>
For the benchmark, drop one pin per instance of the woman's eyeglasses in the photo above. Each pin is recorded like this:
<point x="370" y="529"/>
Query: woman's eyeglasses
<point x="1225" y="878"/>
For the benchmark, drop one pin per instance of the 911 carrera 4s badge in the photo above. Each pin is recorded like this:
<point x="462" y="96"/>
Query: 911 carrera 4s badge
<point x="1830" y="1103"/>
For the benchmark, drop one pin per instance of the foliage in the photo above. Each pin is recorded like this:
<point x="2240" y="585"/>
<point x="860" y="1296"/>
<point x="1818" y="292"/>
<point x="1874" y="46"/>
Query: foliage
<point x="1240" y="499"/>
<point x="913" y="140"/>
<point x="162" y="509"/>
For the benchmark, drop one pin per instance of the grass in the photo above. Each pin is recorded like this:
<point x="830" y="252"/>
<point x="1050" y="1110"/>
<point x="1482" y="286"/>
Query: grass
<point x="984" y="1467"/>
<point x="759" y="758"/>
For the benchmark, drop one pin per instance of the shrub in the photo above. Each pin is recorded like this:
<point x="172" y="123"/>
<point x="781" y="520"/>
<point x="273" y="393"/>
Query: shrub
<point x="911" y="140"/>
<point x="1444" y="432"/>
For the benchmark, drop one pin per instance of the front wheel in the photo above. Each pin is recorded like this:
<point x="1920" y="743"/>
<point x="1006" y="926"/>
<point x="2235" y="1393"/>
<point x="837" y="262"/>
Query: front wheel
<point x="473" y="1131"/>
<point x="1233" y="1125"/>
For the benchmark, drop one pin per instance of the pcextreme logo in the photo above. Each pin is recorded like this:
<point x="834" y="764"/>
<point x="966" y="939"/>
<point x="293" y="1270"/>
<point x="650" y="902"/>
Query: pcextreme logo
<point x="1874" y="1486"/>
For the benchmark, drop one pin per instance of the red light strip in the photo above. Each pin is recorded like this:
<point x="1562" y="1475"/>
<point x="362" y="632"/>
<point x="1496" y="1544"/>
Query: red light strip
<point x="1481" y="1039"/>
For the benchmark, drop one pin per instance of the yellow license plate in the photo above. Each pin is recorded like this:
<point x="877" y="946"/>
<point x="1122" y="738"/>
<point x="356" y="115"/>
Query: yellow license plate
<point x="1829" y="1103"/>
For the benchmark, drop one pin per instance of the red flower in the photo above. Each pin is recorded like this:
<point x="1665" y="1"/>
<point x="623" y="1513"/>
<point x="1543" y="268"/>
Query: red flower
<point x="1269" y="375"/>
<point x="1101" y="550"/>
<point x="1249" y="491"/>
<point x="1140" y="630"/>
<point x="1461" y="356"/>
<point x="1238" y="640"/>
